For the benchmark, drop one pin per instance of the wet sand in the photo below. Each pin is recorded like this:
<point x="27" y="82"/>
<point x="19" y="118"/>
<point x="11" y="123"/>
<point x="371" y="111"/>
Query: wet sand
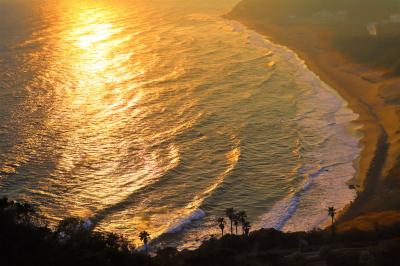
<point x="374" y="98"/>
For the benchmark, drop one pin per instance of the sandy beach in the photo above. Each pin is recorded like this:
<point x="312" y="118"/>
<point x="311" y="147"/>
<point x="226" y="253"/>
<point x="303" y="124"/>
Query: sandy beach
<point x="370" y="95"/>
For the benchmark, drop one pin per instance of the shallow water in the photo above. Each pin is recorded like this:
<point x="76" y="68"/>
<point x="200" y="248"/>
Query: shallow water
<point x="158" y="115"/>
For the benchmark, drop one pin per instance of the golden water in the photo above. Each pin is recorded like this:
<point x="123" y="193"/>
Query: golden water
<point x="158" y="115"/>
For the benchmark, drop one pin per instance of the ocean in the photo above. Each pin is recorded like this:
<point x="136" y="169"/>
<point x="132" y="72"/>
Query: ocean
<point x="159" y="115"/>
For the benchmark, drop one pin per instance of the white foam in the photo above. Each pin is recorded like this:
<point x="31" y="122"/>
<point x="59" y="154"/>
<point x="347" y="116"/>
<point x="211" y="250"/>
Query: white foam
<point x="284" y="209"/>
<point x="193" y="216"/>
<point x="325" y="112"/>
<point x="87" y="224"/>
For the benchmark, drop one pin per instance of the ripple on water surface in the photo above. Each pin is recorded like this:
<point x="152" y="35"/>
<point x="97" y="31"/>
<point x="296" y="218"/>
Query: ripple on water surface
<point x="158" y="117"/>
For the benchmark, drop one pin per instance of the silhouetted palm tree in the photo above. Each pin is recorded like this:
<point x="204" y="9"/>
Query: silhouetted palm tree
<point x="144" y="237"/>
<point x="242" y="215"/>
<point x="246" y="227"/>
<point x="236" y="221"/>
<point x="230" y="213"/>
<point x="221" y="224"/>
<point x="332" y="213"/>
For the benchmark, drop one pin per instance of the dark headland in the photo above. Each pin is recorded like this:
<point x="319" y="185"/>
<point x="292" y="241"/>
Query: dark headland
<point x="26" y="239"/>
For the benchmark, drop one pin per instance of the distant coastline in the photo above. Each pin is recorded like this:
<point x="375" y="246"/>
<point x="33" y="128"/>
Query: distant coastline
<point x="362" y="87"/>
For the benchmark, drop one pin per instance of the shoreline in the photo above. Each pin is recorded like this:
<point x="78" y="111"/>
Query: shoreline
<point x="351" y="82"/>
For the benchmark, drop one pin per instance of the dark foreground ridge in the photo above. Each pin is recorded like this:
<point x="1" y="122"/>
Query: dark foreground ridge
<point x="25" y="239"/>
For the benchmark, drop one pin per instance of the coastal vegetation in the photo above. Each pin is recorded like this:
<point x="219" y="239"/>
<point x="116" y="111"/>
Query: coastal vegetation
<point x="26" y="239"/>
<point x="332" y="213"/>
<point x="236" y="217"/>
<point x="221" y="224"/>
<point x="381" y="51"/>
<point x="144" y="236"/>
<point x="230" y="213"/>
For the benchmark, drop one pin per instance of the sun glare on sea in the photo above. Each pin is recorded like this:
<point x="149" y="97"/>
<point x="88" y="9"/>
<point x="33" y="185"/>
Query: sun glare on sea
<point x="101" y="96"/>
<point x="93" y="33"/>
<point x="93" y="59"/>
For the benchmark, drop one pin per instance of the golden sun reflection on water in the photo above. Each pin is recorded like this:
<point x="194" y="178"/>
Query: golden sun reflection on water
<point x="124" y="122"/>
<point x="98" y="105"/>
<point x="143" y="116"/>
<point x="157" y="115"/>
<point x="101" y="102"/>
<point x="92" y="102"/>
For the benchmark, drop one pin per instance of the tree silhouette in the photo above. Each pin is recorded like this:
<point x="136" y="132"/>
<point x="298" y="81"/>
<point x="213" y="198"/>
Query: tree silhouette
<point x="144" y="237"/>
<point x="236" y="221"/>
<point x="246" y="227"/>
<point x="221" y="224"/>
<point x="242" y="215"/>
<point x="332" y="213"/>
<point x="230" y="213"/>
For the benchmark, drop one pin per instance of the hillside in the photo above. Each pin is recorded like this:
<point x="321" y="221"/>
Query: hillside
<point x="366" y="31"/>
<point x="357" y="10"/>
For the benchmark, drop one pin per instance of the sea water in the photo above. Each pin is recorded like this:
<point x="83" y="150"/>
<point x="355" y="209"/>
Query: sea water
<point x="159" y="115"/>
